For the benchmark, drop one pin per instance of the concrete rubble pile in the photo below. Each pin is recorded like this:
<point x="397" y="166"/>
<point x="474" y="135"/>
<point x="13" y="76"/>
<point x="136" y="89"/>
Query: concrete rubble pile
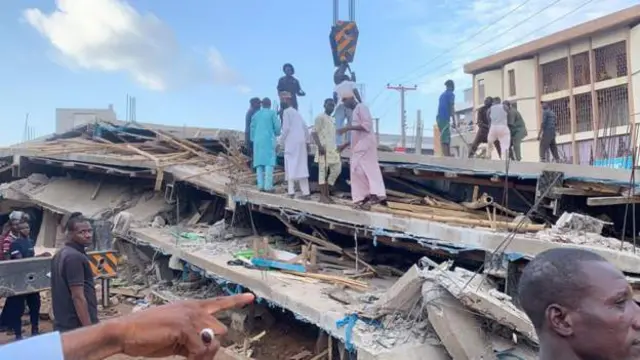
<point x="457" y="309"/>
<point x="579" y="229"/>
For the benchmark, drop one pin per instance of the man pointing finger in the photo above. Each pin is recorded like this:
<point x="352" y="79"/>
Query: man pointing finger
<point x="186" y="328"/>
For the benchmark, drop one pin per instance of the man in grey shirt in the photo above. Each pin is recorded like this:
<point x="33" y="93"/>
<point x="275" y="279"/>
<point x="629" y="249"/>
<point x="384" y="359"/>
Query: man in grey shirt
<point x="547" y="135"/>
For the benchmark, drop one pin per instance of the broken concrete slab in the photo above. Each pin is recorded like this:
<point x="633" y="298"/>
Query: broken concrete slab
<point x="430" y="233"/>
<point x="307" y="300"/>
<point x="403" y="295"/>
<point x="457" y="327"/>
<point x="465" y="287"/>
<point x="579" y="222"/>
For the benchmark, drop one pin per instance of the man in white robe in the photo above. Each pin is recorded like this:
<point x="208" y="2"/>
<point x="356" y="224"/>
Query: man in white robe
<point x="294" y="138"/>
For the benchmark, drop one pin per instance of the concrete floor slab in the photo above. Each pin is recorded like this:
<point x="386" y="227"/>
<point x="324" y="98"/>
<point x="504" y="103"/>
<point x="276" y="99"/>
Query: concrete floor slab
<point x="307" y="300"/>
<point x="425" y="162"/>
<point x="431" y="233"/>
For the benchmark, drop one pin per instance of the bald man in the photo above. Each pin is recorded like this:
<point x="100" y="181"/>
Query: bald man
<point x="581" y="306"/>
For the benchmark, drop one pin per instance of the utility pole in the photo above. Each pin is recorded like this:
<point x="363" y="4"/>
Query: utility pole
<point x="419" y="130"/>
<point x="403" y="116"/>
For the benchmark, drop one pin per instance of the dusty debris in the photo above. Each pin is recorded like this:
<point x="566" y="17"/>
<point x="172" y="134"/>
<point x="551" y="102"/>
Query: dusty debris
<point x="578" y="229"/>
<point x="471" y="292"/>
<point x="457" y="327"/>
<point x="403" y="295"/>
<point x="580" y="223"/>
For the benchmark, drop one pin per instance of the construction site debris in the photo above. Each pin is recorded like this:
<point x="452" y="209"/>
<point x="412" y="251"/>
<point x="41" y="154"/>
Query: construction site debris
<point x="457" y="327"/>
<point x="471" y="291"/>
<point x="580" y="223"/>
<point x="402" y="296"/>
<point x="578" y="229"/>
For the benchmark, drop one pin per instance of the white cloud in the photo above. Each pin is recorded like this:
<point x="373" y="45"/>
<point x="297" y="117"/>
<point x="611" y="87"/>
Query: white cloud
<point x="471" y="16"/>
<point x="223" y="74"/>
<point x="110" y="35"/>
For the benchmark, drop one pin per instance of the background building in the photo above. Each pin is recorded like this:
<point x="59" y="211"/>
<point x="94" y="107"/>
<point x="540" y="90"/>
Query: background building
<point x="67" y="119"/>
<point x="588" y="74"/>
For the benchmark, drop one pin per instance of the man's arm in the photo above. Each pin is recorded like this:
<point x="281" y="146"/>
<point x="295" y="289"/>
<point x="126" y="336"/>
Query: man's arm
<point x="281" y="86"/>
<point x="314" y="135"/>
<point x="275" y="122"/>
<point x="73" y="272"/>
<point x="252" y="128"/>
<point x="452" y="109"/>
<point x="299" y="91"/>
<point x="14" y="250"/>
<point x="356" y="93"/>
<point x="545" y="119"/>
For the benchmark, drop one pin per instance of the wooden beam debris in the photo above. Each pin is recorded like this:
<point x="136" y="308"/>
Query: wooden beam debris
<point x="613" y="200"/>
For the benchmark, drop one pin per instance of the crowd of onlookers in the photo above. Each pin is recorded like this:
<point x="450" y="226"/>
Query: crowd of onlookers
<point x="17" y="244"/>
<point x="73" y="297"/>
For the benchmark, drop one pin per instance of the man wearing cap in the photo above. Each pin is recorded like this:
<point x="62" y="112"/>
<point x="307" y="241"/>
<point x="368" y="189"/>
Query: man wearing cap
<point x="446" y="117"/>
<point x="294" y="138"/>
<point x="367" y="184"/>
<point x="345" y="87"/>
<point x="290" y="84"/>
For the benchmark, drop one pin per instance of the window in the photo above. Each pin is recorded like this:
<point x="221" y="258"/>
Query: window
<point x="512" y="82"/>
<point x="481" y="94"/>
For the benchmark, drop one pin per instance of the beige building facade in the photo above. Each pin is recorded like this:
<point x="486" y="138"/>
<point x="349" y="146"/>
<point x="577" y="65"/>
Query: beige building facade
<point x="588" y="74"/>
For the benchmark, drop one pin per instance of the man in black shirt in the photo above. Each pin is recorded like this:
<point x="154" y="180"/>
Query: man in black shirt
<point x="22" y="248"/>
<point x="291" y="85"/>
<point x="484" y="123"/>
<point x="254" y="106"/>
<point x="73" y="293"/>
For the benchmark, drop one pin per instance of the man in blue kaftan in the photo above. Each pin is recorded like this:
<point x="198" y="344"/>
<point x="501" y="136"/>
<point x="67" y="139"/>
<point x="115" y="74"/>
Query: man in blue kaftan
<point x="265" y="128"/>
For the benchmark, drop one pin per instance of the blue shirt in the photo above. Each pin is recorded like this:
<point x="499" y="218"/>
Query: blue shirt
<point x="445" y="104"/>
<point x="22" y="246"/>
<point x="42" y="347"/>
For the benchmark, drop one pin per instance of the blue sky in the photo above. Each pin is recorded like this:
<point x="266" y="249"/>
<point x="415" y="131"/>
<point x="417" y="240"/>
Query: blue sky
<point x="199" y="64"/>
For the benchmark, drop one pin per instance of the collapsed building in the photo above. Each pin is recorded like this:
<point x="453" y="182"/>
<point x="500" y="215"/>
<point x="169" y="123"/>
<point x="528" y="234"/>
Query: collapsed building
<point x="432" y="275"/>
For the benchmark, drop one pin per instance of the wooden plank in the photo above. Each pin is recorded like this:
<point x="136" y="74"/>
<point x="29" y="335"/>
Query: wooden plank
<point x="613" y="200"/>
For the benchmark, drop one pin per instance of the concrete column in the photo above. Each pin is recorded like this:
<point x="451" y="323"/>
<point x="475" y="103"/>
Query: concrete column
<point x="48" y="230"/>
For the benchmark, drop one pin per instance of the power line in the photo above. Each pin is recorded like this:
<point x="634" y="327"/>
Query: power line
<point x="483" y="29"/>
<point x="504" y="32"/>
<point x="525" y="36"/>
<point x="474" y="35"/>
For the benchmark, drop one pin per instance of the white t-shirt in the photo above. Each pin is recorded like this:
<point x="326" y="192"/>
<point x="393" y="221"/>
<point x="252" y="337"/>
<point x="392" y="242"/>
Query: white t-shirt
<point x="344" y="90"/>
<point x="498" y="115"/>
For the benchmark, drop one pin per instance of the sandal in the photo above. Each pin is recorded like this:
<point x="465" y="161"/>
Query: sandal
<point x="363" y="205"/>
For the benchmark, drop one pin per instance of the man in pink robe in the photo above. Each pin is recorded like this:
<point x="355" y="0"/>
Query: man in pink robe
<point x="367" y="185"/>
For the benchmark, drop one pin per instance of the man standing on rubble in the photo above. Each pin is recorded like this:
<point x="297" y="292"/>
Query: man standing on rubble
<point x="446" y="116"/>
<point x="73" y="293"/>
<point x="518" y="130"/>
<point x="581" y="306"/>
<point x="367" y="184"/>
<point x="291" y="85"/>
<point x="499" y="129"/>
<point x="327" y="156"/>
<point x="547" y="134"/>
<point x="294" y="138"/>
<point x="254" y="106"/>
<point x="265" y="128"/>
<point x="484" y="123"/>
<point x="345" y="88"/>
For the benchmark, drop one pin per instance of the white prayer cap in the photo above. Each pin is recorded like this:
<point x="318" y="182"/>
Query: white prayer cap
<point x="16" y="215"/>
